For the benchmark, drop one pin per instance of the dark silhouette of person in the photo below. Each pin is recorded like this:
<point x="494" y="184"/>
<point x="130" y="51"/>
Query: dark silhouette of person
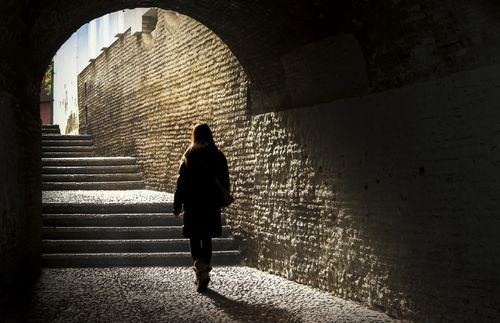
<point x="199" y="196"/>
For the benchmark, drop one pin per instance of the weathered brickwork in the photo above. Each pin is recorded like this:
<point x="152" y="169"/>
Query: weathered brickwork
<point x="387" y="199"/>
<point x="380" y="190"/>
<point x="397" y="191"/>
<point x="424" y="40"/>
<point x="158" y="92"/>
<point x="403" y="42"/>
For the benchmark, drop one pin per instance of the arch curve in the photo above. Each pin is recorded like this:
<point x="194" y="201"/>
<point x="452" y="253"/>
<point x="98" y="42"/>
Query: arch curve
<point x="268" y="38"/>
<point x="257" y="41"/>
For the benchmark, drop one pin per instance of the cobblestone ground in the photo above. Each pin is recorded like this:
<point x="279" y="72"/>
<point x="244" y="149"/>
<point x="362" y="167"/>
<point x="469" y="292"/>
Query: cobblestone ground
<point x="167" y="294"/>
<point x="236" y="294"/>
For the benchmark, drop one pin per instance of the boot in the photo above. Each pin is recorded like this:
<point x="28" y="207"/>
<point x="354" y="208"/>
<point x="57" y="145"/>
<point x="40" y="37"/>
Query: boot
<point x="202" y="278"/>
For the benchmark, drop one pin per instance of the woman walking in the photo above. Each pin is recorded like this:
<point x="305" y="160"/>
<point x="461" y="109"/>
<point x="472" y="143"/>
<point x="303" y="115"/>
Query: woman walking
<point x="203" y="170"/>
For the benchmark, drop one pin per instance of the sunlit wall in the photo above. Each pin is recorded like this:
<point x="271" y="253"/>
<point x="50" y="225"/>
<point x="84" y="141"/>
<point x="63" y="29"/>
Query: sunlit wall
<point x="76" y="53"/>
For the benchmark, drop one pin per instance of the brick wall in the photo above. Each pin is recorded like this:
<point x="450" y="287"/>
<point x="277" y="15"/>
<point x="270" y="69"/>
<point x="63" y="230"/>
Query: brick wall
<point x="440" y="185"/>
<point x="20" y="197"/>
<point x="157" y="93"/>
<point x="388" y="199"/>
<point x="403" y="42"/>
<point x="20" y="151"/>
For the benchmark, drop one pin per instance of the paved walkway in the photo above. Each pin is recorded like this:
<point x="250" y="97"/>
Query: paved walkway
<point x="168" y="294"/>
<point x="237" y="294"/>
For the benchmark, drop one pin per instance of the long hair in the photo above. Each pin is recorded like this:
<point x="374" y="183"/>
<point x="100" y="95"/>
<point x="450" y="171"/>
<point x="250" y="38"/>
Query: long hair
<point x="201" y="137"/>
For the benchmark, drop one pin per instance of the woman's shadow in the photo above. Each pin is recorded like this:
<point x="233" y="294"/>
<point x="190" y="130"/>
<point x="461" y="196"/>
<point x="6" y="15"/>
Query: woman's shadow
<point x="242" y="311"/>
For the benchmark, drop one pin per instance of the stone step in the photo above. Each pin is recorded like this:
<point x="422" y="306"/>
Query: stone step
<point x="112" y="219"/>
<point x="108" y="208"/>
<point x="67" y="148"/>
<point x="51" y="131"/>
<point x="219" y="258"/>
<point x="67" y="154"/>
<point x="112" y="169"/>
<point x="54" y="136"/>
<point x="122" y="185"/>
<point x="114" y="246"/>
<point x="117" y="177"/>
<point x="90" y="169"/>
<point x="89" y="161"/>
<point x="116" y="233"/>
<point x="77" y="142"/>
<point x="50" y="126"/>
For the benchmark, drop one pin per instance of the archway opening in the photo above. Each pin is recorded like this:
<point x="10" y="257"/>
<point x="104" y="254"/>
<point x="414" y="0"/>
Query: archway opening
<point x="136" y="102"/>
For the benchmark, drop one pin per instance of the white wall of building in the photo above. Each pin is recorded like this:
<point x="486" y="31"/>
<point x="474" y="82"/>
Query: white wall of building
<point x="75" y="54"/>
<point x="64" y="87"/>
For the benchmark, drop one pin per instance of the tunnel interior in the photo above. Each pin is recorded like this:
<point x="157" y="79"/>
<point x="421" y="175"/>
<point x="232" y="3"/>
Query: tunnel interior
<point x="364" y="149"/>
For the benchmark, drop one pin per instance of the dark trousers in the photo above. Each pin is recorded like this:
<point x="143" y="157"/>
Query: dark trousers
<point x="201" y="248"/>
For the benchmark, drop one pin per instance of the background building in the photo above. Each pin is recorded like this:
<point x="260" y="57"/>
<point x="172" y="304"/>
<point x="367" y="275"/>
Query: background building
<point x="77" y="52"/>
<point x="46" y="96"/>
<point x="366" y="139"/>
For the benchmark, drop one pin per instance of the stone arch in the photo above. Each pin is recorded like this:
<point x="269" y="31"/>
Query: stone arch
<point x="187" y="74"/>
<point x="453" y="43"/>
<point x="260" y="60"/>
<point x="275" y="41"/>
<point x="272" y="48"/>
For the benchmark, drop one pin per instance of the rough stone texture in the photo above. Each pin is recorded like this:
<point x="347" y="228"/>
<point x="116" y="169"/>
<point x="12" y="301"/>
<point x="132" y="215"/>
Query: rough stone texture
<point x="107" y="196"/>
<point x="185" y="74"/>
<point x="386" y="201"/>
<point x="236" y="294"/>
<point x="359" y="197"/>
<point x="414" y="40"/>
<point x="436" y="206"/>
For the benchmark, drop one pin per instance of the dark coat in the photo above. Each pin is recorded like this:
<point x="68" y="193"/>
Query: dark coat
<point x="198" y="193"/>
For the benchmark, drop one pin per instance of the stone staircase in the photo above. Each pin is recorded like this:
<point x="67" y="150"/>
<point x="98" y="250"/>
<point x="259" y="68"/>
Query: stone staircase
<point x="68" y="163"/>
<point x="85" y="224"/>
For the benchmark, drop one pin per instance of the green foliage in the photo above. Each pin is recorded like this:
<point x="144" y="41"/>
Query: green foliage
<point x="47" y="80"/>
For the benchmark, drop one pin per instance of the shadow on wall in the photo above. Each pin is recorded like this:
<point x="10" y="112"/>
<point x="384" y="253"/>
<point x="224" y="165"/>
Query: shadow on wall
<point x="387" y="199"/>
<point x="360" y="197"/>
<point x="324" y="71"/>
<point x="288" y="210"/>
